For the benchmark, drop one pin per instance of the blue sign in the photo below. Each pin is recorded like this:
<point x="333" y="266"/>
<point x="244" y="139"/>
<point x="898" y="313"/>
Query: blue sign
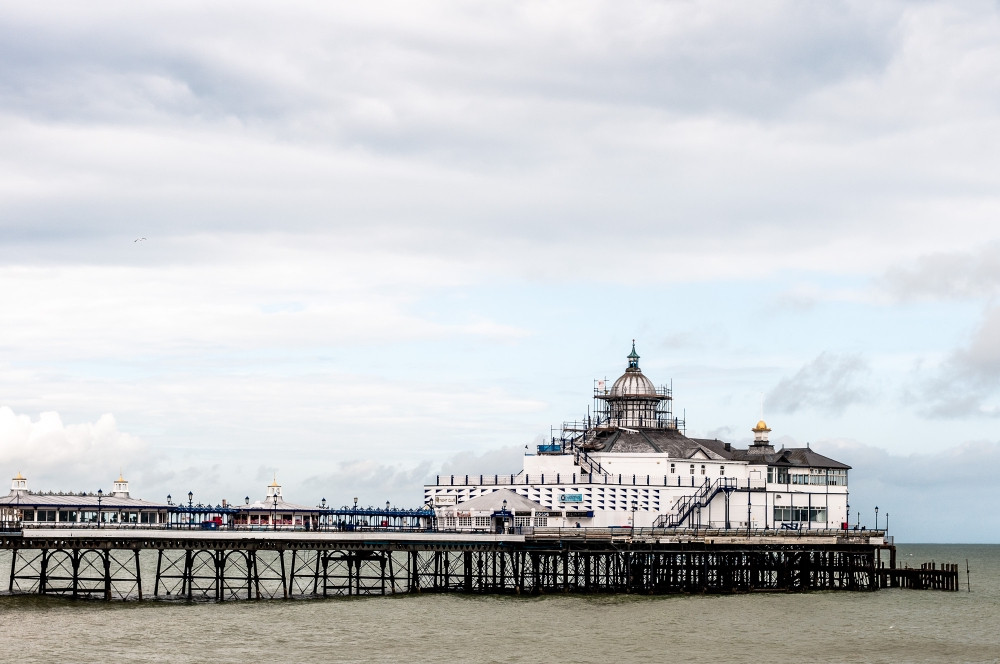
<point x="571" y="498"/>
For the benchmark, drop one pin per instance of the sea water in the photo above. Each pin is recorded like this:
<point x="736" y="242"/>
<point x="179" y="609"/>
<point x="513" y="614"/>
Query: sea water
<point x="893" y="625"/>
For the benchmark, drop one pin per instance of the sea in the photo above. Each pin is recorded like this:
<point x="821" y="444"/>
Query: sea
<point x="892" y="625"/>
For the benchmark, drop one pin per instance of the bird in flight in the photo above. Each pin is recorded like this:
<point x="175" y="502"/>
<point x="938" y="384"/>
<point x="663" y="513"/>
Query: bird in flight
<point x="138" y="239"/>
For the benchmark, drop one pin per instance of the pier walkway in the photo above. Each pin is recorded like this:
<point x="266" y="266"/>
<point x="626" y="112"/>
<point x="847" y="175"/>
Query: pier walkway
<point x="227" y="564"/>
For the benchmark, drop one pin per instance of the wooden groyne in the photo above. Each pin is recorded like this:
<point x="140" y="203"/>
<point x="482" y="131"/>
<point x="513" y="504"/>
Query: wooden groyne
<point x="240" y="565"/>
<point x="929" y="576"/>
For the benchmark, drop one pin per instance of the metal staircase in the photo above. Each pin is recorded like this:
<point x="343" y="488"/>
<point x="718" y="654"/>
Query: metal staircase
<point x="582" y="459"/>
<point x="687" y="504"/>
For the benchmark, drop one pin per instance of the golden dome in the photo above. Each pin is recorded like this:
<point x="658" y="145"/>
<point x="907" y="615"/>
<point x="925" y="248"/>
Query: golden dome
<point x="19" y="476"/>
<point x="761" y="426"/>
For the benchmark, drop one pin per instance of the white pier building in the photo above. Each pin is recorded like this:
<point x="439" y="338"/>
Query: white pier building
<point x="630" y="464"/>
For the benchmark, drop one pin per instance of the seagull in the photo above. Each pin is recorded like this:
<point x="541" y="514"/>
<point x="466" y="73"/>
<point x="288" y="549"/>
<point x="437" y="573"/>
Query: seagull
<point x="138" y="239"/>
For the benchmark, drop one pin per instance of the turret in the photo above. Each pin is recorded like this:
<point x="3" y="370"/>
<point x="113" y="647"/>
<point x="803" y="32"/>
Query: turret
<point x="18" y="485"/>
<point x="120" y="487"/>
<point x="761" y="445"/>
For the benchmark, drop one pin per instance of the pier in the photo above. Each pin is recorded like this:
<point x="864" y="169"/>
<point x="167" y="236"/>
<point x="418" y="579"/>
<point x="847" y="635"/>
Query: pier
<point x="121" y="564"/>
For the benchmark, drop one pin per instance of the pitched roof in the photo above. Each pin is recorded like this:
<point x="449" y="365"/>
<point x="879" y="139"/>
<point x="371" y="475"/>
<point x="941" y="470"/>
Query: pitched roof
<point x="108" y="501"/>
<point x="493" y="502"/>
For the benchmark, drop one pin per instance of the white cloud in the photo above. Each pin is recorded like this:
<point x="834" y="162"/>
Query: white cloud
<point x="70" y="455"/>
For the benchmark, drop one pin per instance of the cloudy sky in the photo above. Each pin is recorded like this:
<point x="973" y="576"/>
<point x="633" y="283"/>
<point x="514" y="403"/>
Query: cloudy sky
<point x="360" y="245"/>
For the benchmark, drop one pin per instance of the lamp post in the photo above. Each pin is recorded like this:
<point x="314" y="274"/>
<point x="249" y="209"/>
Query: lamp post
<point x="505" y="514"/>
<point x="876" y="517"/>
<point x="354" y="514"/>
<point x="100" y="495"/>
<point x="190" y="508"/>
<point x="635" y="506"/>
<point x="886" y="522"/>
<point x="749" y="497"/>
<point x="322" y="517"/>
<point x="274" y="511"/>
<point x="387" y="514"/>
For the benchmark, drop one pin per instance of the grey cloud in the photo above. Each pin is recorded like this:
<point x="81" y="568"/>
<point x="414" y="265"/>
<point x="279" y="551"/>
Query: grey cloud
<point x="829" y="383"/>
<point x="939" y="497"/>
<point x="968" y="381"/>
<point x="374" y="482"/>
<point x="717" y="58"/>
<point x="955" y="466"/>
<point x="499" y="461"/>
<point x="444" y="131"/>
<point x="491" y="91"/>
<point x="944" y="276"/>
<point x="371" y="481"/>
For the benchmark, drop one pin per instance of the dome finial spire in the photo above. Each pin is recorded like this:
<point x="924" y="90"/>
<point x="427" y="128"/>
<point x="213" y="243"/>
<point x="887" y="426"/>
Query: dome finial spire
<point x="633" y="358"/>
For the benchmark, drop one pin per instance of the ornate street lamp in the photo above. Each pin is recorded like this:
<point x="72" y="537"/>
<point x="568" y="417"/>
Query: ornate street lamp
<point x="635" y="506"/>
<point x="100" y="495"/>
<point x="274" y="512"/>
<point x="876" y="517"/>
<point x="354" y="514"/>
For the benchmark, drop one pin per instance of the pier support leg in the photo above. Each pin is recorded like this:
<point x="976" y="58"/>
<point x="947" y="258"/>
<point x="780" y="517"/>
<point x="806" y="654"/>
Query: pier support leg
<point x="43" y="572"/>
<point x="13" y="569"/>
<point x="187" y="583"/>
<point x="467" y="569"/>
<point x="159" y="566"/>
<point x="107" y="574"/>
<point x="75" y="564"/>
<point x="138" y="574"/>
